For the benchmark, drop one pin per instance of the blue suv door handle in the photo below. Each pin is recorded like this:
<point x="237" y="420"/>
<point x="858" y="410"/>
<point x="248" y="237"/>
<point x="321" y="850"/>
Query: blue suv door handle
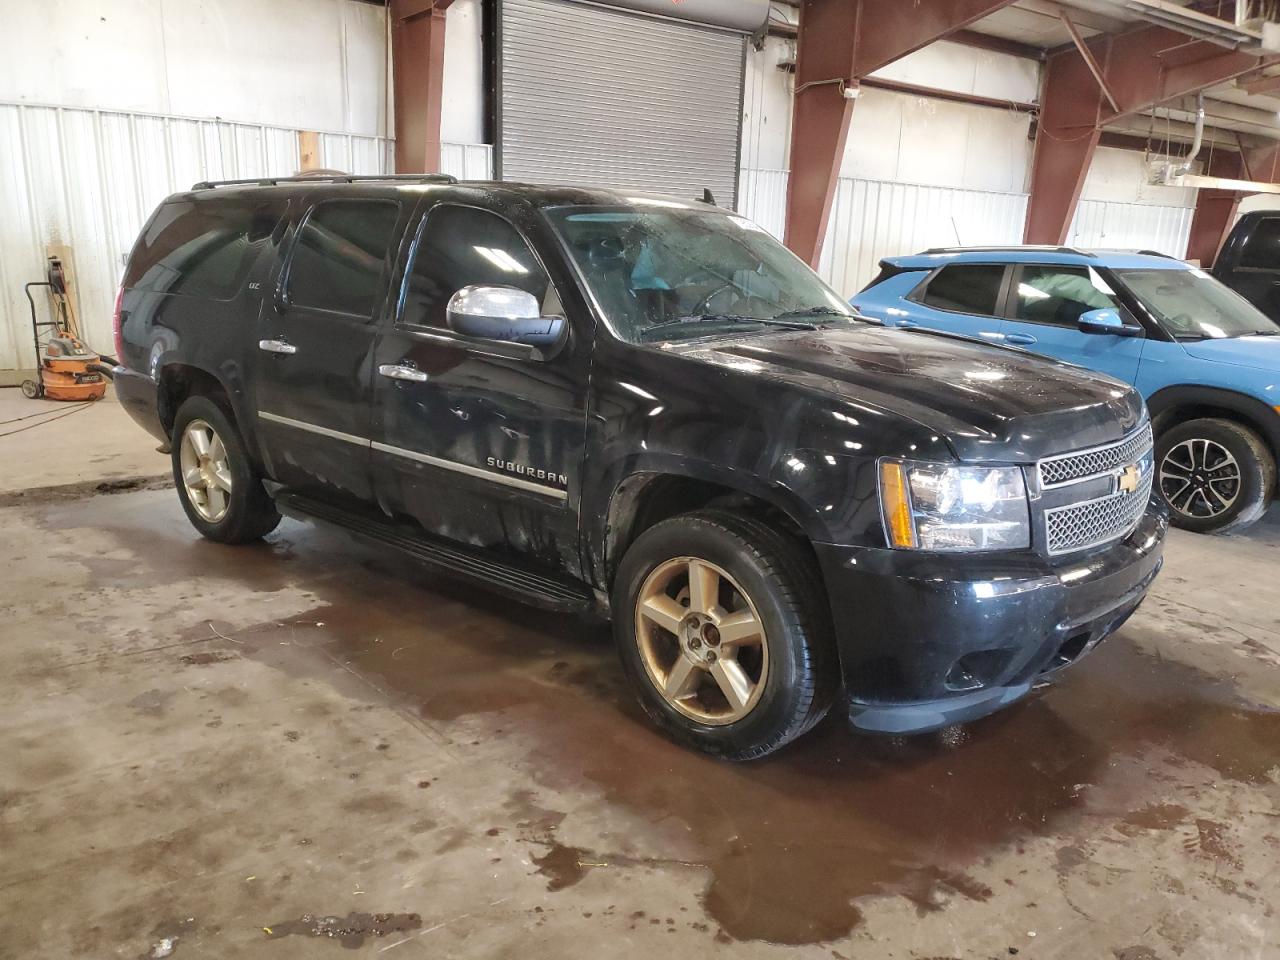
<point x="1022" y="339"/>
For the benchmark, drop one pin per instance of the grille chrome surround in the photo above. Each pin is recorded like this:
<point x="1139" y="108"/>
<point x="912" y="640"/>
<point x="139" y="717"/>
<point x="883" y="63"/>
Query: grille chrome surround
<point x="1074" y="525"/>
<point x="1096" y="461"/>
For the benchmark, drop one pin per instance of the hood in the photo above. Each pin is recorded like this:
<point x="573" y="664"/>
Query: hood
<point x="1262" y="353"/>
<point x="992" y="404"/>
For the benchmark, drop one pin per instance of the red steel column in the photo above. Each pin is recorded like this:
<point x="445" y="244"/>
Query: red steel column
<point x="841" y="41"/>
<point x="417" y="57"/>
<point x="1215" y="210"/>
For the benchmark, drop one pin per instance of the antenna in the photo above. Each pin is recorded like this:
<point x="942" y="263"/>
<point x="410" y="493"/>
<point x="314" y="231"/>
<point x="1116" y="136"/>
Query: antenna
<point x="959" y="242"/>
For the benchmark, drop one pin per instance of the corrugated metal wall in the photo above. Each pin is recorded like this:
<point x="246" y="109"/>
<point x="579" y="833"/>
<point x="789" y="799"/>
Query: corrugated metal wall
<point x="89" y="178"/>
<point x="1132" y="226"/>
<point x="871" y="219"/>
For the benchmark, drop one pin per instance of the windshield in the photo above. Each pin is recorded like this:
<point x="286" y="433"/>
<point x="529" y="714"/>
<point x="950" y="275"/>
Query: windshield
<point x="1191" y="305"/>
<point x="667" y="270"/>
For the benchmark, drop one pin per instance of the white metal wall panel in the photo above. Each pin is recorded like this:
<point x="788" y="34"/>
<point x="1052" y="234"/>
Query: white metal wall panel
<point x="1132" y="226"/>
<point x="89" y="179"/>
<point x="871" y="219"/>
<point x="467" y="161"/>
<point x="596" y="96"/>
<point x="762" y="197"/>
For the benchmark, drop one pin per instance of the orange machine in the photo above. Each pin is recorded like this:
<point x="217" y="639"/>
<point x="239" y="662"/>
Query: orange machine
<point x="66" y="368"/>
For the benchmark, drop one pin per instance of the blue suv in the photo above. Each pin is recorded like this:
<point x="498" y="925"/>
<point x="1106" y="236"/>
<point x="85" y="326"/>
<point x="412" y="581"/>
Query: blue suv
<point x="1206" y="360"/>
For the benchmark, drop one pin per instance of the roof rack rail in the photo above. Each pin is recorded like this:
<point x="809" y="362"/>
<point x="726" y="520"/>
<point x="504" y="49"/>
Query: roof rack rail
<point x="1157" y="253"/>
<point x="1013" y="248"/>
<point x="329" y="178"/>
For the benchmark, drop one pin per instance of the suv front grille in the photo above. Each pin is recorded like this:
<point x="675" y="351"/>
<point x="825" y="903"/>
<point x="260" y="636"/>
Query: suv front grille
<point x="1088" y="523"/>
<point x="1092" y="463"/>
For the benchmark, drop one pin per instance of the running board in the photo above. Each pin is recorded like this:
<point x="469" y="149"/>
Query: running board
<point x="447" y="558"/>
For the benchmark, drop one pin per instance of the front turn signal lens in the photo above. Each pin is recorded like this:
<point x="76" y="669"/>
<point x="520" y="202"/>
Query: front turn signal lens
<point x="895" y="497"/>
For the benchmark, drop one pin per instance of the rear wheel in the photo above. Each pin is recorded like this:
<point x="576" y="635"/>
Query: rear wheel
<point x="222" y="496"/>
<point x="1215" y="475"/>
<point x="723" y="631"/>
<point x="32" y="390"/>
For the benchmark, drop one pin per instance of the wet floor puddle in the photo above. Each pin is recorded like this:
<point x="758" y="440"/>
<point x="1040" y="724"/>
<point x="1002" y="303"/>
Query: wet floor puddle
<point x="351" y="931"/>
<point x="793" y="844"/>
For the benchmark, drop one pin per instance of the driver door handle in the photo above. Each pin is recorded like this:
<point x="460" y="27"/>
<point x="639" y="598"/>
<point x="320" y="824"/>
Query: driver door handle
<point x="277" y="346"/>
<point x="402" y="371"/>
<point x="1022" y="339"/>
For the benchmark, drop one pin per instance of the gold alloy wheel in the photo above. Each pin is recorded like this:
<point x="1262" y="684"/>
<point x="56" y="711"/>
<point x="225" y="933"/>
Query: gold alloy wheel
<point x="702" y="641"/>
<point x="206" y="473"/>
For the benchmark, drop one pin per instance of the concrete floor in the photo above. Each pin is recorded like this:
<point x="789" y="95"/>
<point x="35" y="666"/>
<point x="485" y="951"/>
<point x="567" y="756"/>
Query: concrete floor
<point x="210" y="750"/>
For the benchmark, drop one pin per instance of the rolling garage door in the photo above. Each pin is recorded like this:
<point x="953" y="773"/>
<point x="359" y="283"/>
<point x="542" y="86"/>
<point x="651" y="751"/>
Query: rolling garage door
<point x="591" y="94"/>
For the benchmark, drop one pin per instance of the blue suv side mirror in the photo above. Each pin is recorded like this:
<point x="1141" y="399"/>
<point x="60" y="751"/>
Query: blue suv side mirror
<point x="1106" y="322"/>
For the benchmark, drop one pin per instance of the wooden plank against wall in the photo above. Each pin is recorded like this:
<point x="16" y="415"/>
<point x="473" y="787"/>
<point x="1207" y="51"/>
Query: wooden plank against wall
<point x="308" y="150"/>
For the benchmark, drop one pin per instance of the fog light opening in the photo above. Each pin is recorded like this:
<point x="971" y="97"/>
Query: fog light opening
<point x="976" y="670"/>
<point x="1070" y="650"/>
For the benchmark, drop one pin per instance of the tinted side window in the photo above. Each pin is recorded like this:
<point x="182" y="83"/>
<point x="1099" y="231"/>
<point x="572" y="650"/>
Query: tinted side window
<point x="461" y="246"/>
<point x="1262" y="247"/>
<point x="341" y="255"/>
<point x="201" y="248"/>
<point x="1059" y="295"/>
<point x="966" y="288"/>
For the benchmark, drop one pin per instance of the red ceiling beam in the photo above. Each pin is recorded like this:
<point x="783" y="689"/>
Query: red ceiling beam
<point x="841" y="41"/>
<point x="417" y="59"/>
<point x="1135" y="71"/>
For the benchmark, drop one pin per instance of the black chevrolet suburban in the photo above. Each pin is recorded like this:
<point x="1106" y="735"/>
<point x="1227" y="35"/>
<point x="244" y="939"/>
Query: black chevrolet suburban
<point x="634" y="405"/>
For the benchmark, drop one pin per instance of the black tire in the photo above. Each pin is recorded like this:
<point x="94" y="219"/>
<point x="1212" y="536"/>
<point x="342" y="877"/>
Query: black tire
<point x="1248" y="497"/>
<point x="32" y="389"/>
<point x="250" y="512"/>
<point x="781" y="577"/>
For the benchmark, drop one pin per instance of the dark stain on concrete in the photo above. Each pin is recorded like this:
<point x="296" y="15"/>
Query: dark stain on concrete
<point x="206" y="658"/>
<point x="1155" y="816"/>
<point x="152" y="703"/>
<point x="563" y="866"/>
<point x="351" y="931"/>
<point x="66" y="492"/>
<point x="793" y="844"/>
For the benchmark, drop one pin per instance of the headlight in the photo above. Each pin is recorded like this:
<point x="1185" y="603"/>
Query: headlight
<point x="940" y="506"/>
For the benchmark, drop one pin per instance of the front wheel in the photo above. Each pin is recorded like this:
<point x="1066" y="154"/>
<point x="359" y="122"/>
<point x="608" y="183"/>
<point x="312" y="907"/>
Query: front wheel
<point x="1215" y="475"/>
<point x="724" y="634"/>
<point x="222" y="496"/>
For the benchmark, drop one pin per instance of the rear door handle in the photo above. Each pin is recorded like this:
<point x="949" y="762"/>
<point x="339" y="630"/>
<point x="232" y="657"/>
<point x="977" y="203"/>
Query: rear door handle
<point x="905" y="324"/>
<point x="1023" y="339"/>
<point x="277" y="346"/>
<point x="402" y="371"/>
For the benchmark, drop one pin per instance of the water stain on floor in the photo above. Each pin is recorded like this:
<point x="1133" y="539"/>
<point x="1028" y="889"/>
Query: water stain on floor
<point x="794" y="844"/>
<point x="351" y="931"/>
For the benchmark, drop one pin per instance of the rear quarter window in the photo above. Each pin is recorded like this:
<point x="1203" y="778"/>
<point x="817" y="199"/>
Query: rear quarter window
<point x="966" y="288"/>
<point x="201" y="248"/>
<point x="1262" y="246"/>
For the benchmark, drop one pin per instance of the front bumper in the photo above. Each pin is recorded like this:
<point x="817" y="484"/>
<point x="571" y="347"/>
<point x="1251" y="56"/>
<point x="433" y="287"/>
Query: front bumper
<point x="931" y="640"/>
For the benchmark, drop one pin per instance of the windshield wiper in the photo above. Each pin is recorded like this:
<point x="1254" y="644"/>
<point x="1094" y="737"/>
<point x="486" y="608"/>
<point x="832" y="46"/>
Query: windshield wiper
<point x="728" y="318"/>
<point x="822" y="311"/>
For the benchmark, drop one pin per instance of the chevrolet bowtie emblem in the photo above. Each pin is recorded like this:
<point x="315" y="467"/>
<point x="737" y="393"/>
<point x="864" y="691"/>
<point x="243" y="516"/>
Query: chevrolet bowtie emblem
<point x="1127" y="479"/>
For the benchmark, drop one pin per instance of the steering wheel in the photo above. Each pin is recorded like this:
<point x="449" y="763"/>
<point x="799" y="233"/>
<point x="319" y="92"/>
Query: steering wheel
<point x="1183" y="322"/>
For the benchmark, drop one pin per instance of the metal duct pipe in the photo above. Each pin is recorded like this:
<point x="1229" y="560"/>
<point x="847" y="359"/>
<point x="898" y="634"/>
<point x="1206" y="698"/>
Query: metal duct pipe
<point x="1196" y="143"/>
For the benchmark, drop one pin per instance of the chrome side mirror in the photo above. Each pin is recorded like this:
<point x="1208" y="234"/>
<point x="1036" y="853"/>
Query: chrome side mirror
<point x="1106" y="322"/>
<point x="502" y="313"/>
